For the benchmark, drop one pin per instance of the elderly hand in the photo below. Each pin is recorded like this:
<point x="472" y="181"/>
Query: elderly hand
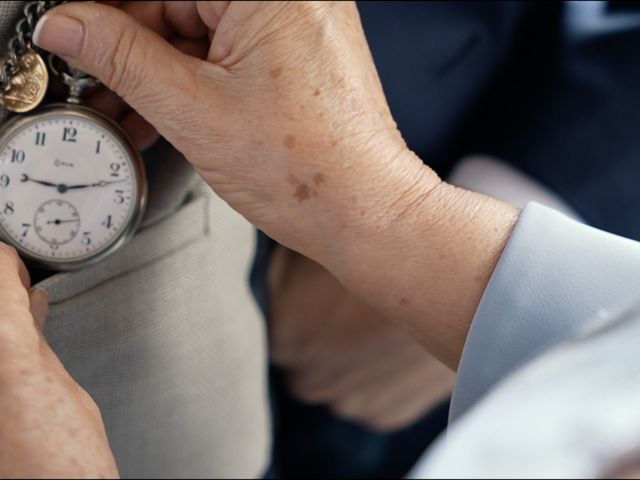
<point x="51" y="428"/>
<point x="279" y="107"/>
<point x="283" y="112"/>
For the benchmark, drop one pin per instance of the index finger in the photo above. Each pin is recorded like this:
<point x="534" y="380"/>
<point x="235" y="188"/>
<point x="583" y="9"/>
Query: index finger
<point x="168" y="18"/>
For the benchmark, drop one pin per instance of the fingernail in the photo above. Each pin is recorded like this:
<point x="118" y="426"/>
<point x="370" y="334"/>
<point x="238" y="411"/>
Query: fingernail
<point x="59" y="34"/>
<point x="39" y="304"/>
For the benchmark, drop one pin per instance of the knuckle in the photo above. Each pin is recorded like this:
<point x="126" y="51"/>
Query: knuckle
<point x="310" y="391"/>
<point x="109" y="42"/>
<point x="315" y="10"/>
<point x="85" y="399"/>
<point x="289" y="350"/>
<point x="309" y="396"/>
<point x="351" y="408"/>
<point x="122" y="70"/>
<point x="92" y="406"/>
<point x="283" y="349"/>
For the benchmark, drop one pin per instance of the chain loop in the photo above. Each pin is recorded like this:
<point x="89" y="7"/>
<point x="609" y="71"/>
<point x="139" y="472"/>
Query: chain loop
<point x="21" y="41"/>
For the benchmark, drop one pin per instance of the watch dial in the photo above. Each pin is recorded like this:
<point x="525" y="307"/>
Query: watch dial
<point x="68" y="187"/>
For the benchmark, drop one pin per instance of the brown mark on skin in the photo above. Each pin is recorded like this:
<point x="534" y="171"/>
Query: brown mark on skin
<point x="302" y="192"/>
<point x="318" y="179"/>
<point x="276" y="72"/>
<point x="363" y="212"/>
<point x="316" y="92"/>
<point x="403" y="301"/>
<point x="289" y="141"/>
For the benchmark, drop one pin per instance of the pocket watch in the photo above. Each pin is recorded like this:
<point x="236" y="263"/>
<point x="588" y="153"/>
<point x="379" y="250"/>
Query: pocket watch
<point x="72" y="183"/>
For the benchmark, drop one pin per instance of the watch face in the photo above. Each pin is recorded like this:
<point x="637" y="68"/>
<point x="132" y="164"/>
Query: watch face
<point x="70" y="186"/>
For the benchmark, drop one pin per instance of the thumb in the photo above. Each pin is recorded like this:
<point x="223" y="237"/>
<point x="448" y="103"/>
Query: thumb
<point x="152" y="76"/>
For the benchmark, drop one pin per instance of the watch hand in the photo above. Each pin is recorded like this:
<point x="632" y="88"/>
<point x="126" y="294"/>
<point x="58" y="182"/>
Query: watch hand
<point x="62" y="188"/>
<point x="105" y="183"/>
<point x="58" y="221"/>
<point x="102" y="183"/>
<point x="26" y="178"/>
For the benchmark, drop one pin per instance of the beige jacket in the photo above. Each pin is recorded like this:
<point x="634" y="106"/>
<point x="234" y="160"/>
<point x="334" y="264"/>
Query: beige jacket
<point x="165" y="335"/>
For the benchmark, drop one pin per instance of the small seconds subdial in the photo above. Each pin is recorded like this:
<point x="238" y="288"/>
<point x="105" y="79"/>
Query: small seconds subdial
<point x="57" y="222"/>
<point x="71" y="187"/>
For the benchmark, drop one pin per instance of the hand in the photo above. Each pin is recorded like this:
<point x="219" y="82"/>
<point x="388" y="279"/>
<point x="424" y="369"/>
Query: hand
<point x="279" y="107"/>
<point x="51" y="428"/>
<point x="337" y="351"/>
<point x="321" y="125"/>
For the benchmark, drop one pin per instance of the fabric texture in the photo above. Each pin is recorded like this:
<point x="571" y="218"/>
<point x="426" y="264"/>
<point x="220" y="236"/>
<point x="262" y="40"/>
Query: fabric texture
<point x="554" y="275"/>
<point x="498" y="179"/>
<point x="165" y="335"/>
<point x="572" y="413"/>
<point x="166" y="338"/>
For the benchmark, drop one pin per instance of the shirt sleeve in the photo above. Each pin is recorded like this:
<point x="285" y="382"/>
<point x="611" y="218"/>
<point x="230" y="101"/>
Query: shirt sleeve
<point x="554" y="275"/>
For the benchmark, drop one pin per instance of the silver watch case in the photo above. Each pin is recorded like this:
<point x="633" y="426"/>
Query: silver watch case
<point x="140" y="203"/>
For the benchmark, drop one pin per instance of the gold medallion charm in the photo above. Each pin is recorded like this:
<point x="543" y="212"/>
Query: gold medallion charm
<point x="28" y="86"/>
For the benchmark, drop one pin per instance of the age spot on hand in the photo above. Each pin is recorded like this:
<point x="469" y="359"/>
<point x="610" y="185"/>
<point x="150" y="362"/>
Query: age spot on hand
<point x="302" y="192"/>
<point x="290" y="141"/>
<point x="318" y="179"/>
<point x="276" y="72"/>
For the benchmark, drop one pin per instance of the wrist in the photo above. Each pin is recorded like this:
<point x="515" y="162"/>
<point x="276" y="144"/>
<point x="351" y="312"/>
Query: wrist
<point x="378" y="213"/>
<point x="357" y="186"/>
<point x="423" y="254"/>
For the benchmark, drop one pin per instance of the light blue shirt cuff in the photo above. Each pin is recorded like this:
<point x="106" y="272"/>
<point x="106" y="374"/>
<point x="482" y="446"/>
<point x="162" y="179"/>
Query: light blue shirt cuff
<point x="554" y="276"/>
